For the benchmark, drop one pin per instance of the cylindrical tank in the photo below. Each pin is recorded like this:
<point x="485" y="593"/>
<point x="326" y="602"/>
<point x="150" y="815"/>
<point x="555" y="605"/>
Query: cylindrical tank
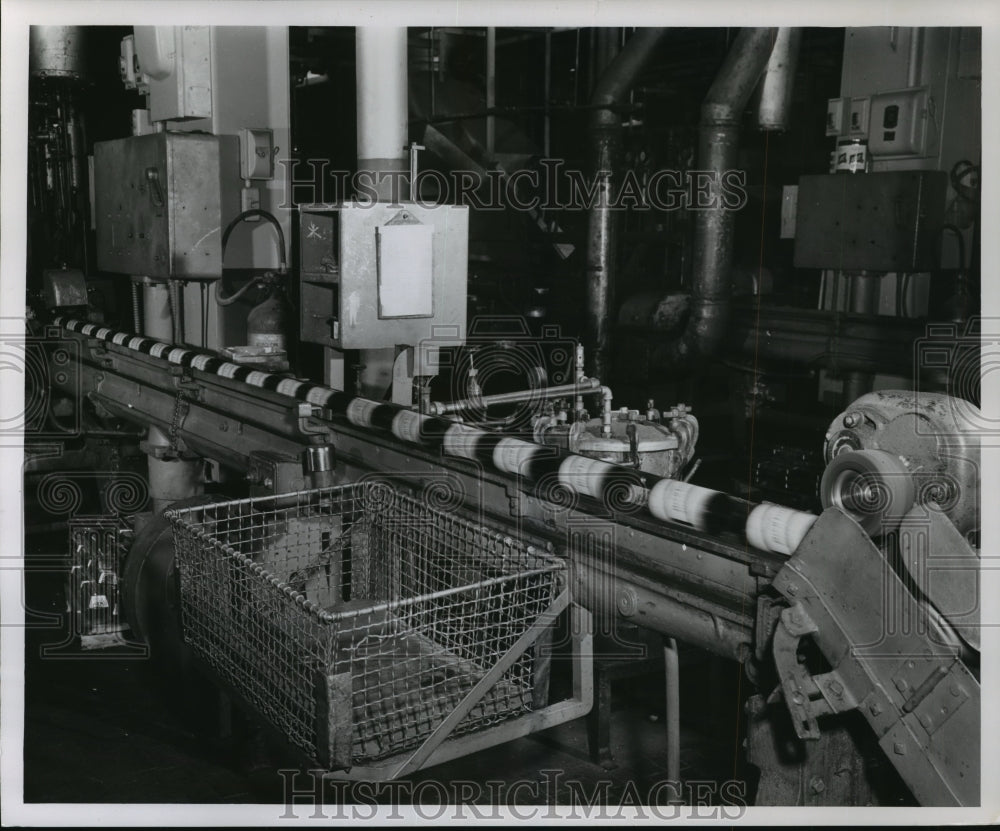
<point x="57" y="51"/>
<point x="267" y="323"/>
<point x="171" y="479"/>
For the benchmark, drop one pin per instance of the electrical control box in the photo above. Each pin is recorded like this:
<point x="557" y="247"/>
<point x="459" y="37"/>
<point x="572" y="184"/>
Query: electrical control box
<point x="374" y="275"/>
<point x="256" y="153"/>
<point x="887" y="221"/>
<point x="857" y="124"/>
<point x="174" y="64"/>
<point x="836" y="115"/>
<point x="899" y="123"/>
<point x="158" y="205"/>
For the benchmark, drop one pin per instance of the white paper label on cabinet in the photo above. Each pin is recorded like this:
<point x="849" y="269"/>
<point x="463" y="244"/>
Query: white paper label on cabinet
<point x="405" y="270"/>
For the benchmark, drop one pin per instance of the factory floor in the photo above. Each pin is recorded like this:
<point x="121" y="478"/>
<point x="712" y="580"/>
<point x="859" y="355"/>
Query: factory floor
<point x="104" y="726"/>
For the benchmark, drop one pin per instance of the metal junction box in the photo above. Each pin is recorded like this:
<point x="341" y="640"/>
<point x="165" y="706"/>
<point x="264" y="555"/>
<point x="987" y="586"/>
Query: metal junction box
<point x="158" y="205"/>
<point x="378" y="275"/>
<point x="876" y="221"/>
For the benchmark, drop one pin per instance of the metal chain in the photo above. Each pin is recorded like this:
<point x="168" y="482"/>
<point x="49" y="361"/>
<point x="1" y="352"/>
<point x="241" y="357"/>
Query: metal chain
<point x="180" y="410"/>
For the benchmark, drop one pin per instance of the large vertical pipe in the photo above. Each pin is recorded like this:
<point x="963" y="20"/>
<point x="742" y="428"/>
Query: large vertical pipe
<point x="718" y="151"/>
<point x="57" y="51"/>
<point x="606" y="140"/>
<point x="774" y="96"/>
<point x="382" y="108"/>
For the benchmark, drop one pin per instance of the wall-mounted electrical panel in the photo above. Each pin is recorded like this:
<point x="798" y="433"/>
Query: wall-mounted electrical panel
<point x="379" y="275"/>
<point x="899" y="123"/>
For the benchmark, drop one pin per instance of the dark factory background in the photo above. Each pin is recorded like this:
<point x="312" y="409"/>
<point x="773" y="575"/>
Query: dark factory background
<point x="803" y="338"/>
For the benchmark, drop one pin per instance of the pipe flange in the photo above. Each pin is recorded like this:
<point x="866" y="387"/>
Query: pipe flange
<point x="871" y="486"/>
<point x="627" y="602"/>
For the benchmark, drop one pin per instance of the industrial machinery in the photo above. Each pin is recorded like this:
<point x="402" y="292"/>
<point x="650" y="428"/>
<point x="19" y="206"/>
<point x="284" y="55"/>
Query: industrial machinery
<point x="272" y="434"/>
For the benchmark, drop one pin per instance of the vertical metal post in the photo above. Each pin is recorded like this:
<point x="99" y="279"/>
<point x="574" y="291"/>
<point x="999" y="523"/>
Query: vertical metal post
<point x="548" y="93"/>
<point x="576" y="72"/>
<point x="431" y="79"/>
<point x="914" y="64"/>
<point x="491" y="89"/>
<point x="673" y="719"/>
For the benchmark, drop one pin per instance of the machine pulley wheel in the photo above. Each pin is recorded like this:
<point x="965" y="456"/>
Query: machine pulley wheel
<point x="871" y="486"/>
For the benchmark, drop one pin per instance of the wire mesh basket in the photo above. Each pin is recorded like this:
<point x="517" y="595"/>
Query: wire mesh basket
<point x="360" y="622"/>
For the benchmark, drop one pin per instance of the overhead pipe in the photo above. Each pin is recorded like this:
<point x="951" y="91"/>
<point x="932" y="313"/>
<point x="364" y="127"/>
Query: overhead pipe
<point x="588" y="385"/>
<point x="805" y="337"/>
<point x="844" y="342"/>
<point x="718" y="149"/>
<point x="382" y="108"/>
<point x="606" y="143"/>
<point x="383" y="129"/>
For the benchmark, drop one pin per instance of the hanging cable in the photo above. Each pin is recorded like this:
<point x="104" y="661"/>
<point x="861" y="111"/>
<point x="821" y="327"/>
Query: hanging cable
<point x="258" y="212"/>
<point x="282" y="262"/>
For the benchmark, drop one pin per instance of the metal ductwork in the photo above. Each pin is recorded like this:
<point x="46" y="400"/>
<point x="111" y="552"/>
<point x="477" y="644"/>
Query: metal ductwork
<point x="605" y="130"/>
<point x="718" y="147"/>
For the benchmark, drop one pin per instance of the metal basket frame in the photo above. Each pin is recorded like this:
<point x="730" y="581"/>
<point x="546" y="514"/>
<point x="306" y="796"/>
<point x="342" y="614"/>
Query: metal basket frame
<point x="375" y="687"/>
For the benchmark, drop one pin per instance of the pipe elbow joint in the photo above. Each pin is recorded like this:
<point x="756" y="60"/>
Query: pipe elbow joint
<point x="702" y="338"/>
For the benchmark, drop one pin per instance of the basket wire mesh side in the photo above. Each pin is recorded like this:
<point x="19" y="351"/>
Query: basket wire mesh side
<point x="404" y="608"/>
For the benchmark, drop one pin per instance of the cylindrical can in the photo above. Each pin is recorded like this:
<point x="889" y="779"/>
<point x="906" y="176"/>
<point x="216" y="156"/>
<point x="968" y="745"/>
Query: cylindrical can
<point x="852" y="156"/>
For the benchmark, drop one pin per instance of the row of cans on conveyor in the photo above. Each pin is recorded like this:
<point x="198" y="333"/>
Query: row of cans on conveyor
<point x="559" y="477"/>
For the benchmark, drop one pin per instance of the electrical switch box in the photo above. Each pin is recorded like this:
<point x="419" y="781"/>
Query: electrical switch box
<point x="836" y="116"/>
<point x="899" y="123"/>
<point x="857" y="124"/>
<point x="158" y="205"/>
<point x="256" y="154"/>
<point x="375" y="275"/>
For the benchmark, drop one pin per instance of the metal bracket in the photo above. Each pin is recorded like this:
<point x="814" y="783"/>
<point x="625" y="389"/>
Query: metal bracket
<point x="308" y="423"/>
<point x="797" y="687"/>
<point x="806" y="696"/>
<point x="768" y="612"/>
